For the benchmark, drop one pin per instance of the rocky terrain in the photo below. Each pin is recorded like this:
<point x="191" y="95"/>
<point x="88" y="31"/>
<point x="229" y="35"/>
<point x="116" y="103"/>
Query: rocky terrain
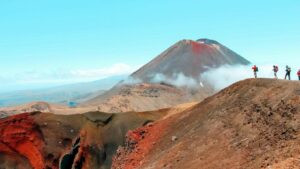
<point x="45" y="108"/>
<point x="41" y="140"/>
<point x="252" y="124"/>
<point x="148" y="97"/>
<point x="26" y="108"/>
<point x="46" y="140"/>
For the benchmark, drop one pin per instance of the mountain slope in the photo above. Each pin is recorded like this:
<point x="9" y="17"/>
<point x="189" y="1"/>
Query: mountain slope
<point x="251" y="124"/>
<point x="174" y="77"/>
<point x="191" y="58"/>
<point x="146" y="97"/>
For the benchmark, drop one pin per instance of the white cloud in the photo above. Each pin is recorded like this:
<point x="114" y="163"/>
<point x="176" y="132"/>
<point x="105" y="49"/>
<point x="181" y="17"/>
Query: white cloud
<point x="66" y="76"/>
<point x="116" y="69"/>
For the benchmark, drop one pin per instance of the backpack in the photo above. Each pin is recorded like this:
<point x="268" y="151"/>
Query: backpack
<point x="255" y="68"/>
<point x="276" y="69"/>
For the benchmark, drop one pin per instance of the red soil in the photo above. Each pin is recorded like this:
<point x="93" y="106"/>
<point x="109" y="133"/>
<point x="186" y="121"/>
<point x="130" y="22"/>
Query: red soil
<point x="139" y="143"/>
<point x="19" y="134"/>
<point x="198" y="48"/>
<point x="199" y="51"/>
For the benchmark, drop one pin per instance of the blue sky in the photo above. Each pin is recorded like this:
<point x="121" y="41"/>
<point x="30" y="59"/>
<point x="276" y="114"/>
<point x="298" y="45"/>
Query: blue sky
<point x="51" y="42"/>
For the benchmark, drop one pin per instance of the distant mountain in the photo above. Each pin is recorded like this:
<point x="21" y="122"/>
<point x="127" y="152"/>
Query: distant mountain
<point x="78" y="92"/>
<point x="189" y="58"/>
<point x="172" y="78"/>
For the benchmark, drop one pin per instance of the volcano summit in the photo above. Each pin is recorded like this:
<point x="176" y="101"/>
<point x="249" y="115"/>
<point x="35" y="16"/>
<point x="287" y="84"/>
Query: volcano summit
<point x="191" y="58"/>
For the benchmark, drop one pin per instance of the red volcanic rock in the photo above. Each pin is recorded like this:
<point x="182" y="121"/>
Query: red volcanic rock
<point x="200" y="48"/>
<point x="20" y="134"/>
<point x="84" y="141"/>
<point x="139" y="143"/>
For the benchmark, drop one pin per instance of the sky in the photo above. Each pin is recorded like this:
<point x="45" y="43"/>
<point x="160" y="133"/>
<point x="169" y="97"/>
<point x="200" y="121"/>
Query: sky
<point x="52" y="42"/>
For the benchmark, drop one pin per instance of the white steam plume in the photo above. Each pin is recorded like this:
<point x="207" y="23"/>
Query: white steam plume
<point x="179" y="80"/>
<point x="226" y="75"/>
<point x="218" y="78"/>
<point x="131" y="81"/>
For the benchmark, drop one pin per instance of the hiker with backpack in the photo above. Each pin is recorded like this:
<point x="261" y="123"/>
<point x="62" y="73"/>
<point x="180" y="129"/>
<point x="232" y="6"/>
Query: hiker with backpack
<point x="255" y="70"/>
<point x="288" y="72"/>
<point x="298" y="73"/>
<point x="275" y="70"/>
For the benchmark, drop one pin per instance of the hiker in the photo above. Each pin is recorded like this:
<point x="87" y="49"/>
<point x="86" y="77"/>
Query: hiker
<point x="288" y="72"/>
<point x="298" y="73"/>
<point x="255" y="70"/>
<point x="275" y="70"/>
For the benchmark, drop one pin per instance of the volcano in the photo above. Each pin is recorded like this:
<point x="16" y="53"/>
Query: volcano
<point x="172" y="78"/>
<point x="191" y="58"/>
